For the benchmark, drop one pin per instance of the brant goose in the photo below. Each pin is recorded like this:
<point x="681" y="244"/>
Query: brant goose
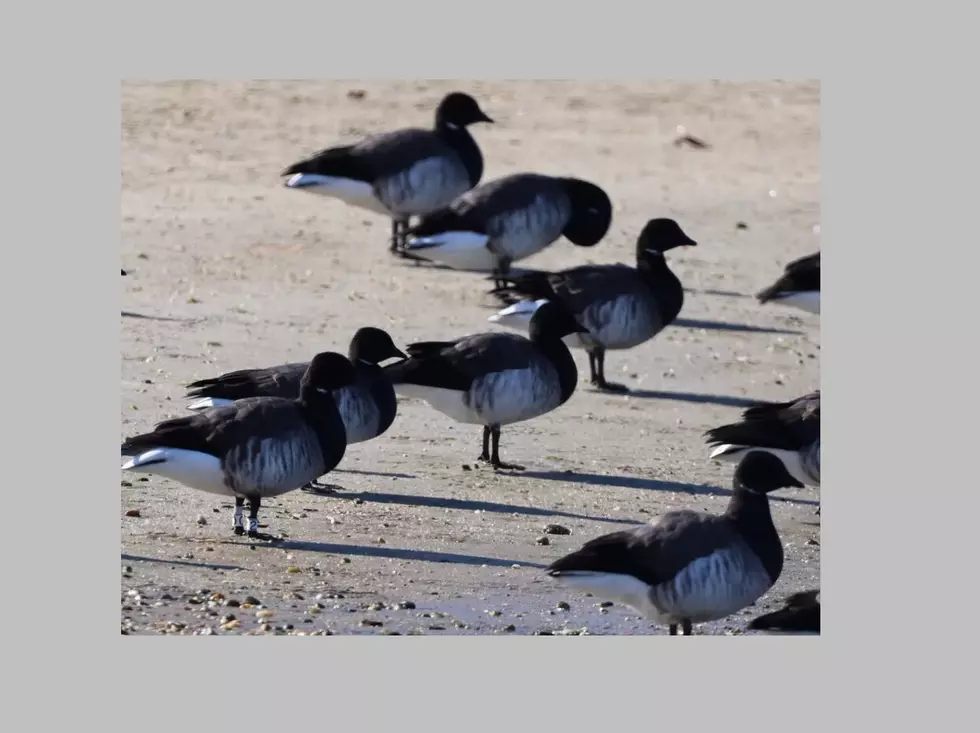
<point x="493" y="379"/>
<point x="798" y="286"/>
<point x="799" y="615"/>
<point x="253" y="448"/>
<point x="690" y="567"/>
<point x="509" y="219"/>
<point x="621" y="306"/>
<point x="403" y="173"/>
<point x="367" y="407"/>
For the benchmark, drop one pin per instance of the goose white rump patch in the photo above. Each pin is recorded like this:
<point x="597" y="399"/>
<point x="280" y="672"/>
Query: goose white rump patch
<point x="354" y="193"/>
<point x="518" y="318"/>
<point x="206" y="402"/>
<point x="458" y="250"/>
<point x="191" y="468"/>
<point x="624" y="589"/>
<point x="808" y="301"/>
<point x="791" y="459"/>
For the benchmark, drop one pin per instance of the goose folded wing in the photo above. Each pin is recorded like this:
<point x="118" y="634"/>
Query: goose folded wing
<point x="455" y="365"/>
<point x="278" y="381"/>
<point x="654" y="554"/>
<point x="578" y="288"/>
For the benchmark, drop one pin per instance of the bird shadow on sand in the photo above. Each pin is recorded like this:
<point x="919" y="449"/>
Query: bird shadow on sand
<point x="468" y="505"/>
<point x="637" y="482"/>
<point x="394" y="553"/>
<point x="710" y="399"/>
<point x="163" y="561"/>
<point x="382" y="474"/>
<point x="721" y="293"/>
<point x="131" y="314"/>
<point x="725" y="326"/>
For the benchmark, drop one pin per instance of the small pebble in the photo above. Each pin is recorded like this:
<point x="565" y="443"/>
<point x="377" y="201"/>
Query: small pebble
<point x="133" y="513"/>
<point x="542" y="541"/>
<point x="232" y="603"/>
<point x="510" y="627"/>
<point x="604" y="604"/>
<point x="128" y="569"/>
<point x="371" y="622"/>
<point x="253" y="600"/>
<point x="437" y="628"/>
<point x="812" y="542"/>
<point x="202" y="520"/>
<point x="556" y="529"/>
<point x="563" y="606"/>
<point x="467" y="467"/>
<point x="264" y="613"/>
<point x="376" y="607"/>
<point x="292" y="569"/>
<point x="405" y="605"/>
<point x="494" y="613"/>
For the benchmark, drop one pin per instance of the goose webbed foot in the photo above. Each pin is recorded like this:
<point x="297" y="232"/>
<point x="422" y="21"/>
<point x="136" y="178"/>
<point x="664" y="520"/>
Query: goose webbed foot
<point x="597" y="368"/>
<point x="262" y="536"/>
<point x="239" y="530"/>
<point x="611" y="387"/>
<point x="321" y="489"/>
<point x="499" y="465"/>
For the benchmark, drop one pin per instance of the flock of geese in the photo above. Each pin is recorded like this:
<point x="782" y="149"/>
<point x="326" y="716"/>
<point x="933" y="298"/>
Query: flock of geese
<point x="260" y="433"/>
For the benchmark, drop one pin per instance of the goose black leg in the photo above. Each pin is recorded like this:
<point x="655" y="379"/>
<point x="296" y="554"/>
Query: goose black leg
<point x="254" y="502"/>
<point x="495" y="455"/>
<point x="597" y="365"/>
<point x="686" y="627"/>
<point x="396" y="236"/>
<point x="501" y="271"/>
<point x="485" y="455"/>
<point x="239" y="521"/>
<point x="672" y="630"/>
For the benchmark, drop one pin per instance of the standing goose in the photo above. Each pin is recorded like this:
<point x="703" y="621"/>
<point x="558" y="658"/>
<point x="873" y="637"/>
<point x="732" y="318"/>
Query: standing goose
<point x="253" y="448"/>
<point x="798" y="286"/>
<point x="403" y="173"/>
<point x="367" y="407"/>
<point x="621" y="306"/>
<point x="799" y="615"/>
<point x="493" y="379"/>
<point x="509" y="219"/>
<point x="788" y="430"/>
<point x="690" y="567"/>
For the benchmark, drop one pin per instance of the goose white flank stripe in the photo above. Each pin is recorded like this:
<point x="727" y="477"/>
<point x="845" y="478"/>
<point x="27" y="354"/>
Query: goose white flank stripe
<point x="493" y="379"/>
<point x="509" y="219"/>
<point x="403" y="173"/>
<point x="619" y="306"/>
<point x="690" y="567"/>
<point x="254" y="448"/>
<point x="367" y="407"/>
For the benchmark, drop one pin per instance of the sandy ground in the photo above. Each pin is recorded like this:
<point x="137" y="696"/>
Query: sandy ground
<point x="231" y="270"/>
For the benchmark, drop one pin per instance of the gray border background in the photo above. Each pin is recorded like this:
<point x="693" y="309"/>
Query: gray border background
<point x="877" y="343"/>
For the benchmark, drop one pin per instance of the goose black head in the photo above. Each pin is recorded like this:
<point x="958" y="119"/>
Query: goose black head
<point x="554" y="321"/>
<point x="328" y="371"/>
<point x="761" y="472"/>
<point x="592" y="212"/>
<point x="460" y="109"/>
<point x="659" y="236"/>
<point x="373" y="346"/>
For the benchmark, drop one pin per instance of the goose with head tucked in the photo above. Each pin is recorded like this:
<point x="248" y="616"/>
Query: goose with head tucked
<point x="493" y="379"/>
<point x="254" y="448"/>
<point x="367" y="407"/>
<point x="402" y="173"/>
<point x="690" y="567"/>
<point x="509" y="219"/>
<point x="800" y="614"/>
<point x="620" y="306"/>
<point x="798" y="286"/>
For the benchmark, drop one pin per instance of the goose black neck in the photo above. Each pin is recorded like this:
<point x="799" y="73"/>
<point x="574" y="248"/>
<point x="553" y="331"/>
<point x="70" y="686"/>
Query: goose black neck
<point x="749" y="511"/>
<point x="555" y="350"/>
<point x="664" y="283"/>
<point x="459" y="139"/>
<point x="322" y="414"/>
<point x="383" y="395"/>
